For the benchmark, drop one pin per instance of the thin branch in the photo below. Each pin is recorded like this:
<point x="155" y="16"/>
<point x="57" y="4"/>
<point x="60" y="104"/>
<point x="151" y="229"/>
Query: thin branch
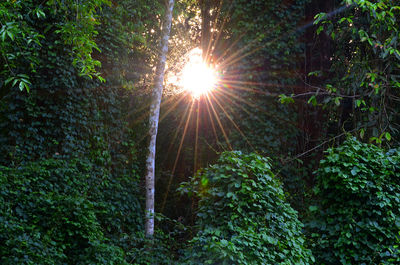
<point x="320" y="145"/>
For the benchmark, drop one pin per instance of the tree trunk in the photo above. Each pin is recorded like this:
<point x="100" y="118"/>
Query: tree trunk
<point x="153" y="120"/>
<point x="205" y="28"/>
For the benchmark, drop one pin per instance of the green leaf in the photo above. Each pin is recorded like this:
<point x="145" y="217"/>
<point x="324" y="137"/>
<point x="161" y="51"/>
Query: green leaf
<point x="354" y="171"/>
<point x="21" y="85"/>
<point x="286" y="99"/>
<point x="313" y="100"/>
<point x="337" y="101"/>
<point x="10" y="35"/>
<point x="362" y="133"/>
<point x="320" y="28"/>
<point x="388" y="136"/>
<point x="397" y="54"/>
<point x="8" y="80"/>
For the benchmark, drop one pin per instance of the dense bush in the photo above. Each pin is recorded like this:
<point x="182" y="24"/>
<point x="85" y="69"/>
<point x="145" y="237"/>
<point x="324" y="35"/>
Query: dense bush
<point x="47" y="215"/>
<point x="243" y="217"/>
<point x="157" y="250"/>
<point x="358" y="217"/>
<point x="56" y="211"/>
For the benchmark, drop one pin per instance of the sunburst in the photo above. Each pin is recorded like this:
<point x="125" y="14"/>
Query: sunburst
<point x="197" y="77"/>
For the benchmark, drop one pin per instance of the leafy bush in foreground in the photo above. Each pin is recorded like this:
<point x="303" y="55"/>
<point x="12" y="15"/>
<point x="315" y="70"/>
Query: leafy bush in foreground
<point x="47" y="216"/>
<point x="358" y="218"/>
<point x="243" y="217"/>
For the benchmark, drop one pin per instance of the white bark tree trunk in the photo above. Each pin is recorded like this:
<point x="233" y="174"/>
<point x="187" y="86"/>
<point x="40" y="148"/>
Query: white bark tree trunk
<point x="153" y="120"/>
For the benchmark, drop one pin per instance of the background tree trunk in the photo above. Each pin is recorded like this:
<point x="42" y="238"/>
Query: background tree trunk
<point x="205" y="27"/>
<point x="153" y="120"/>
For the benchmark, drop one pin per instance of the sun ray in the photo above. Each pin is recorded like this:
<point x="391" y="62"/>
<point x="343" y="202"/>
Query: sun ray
<point x="238" y="51"/>
<point x="182" y="120"/>
<point x="229" y="48"/>
<point x="226" y="80"/>
<point x="177" y="157"/>
<point x="250" y="89"/>
<point x="240" y="106"/>
<point x="233" y="122"/>
<point x="232" y="95"/>
<point x="212" y="121"/>
<point x="197" y="137"/>
<point x="219" y="122"/>
<point x="235" y="57"/>
<point x="232" y="102"/>
<point x="146" y="106"/>
<point x="254" y="106"/>
<point x="234" y="60"/>
<point x="176" y="103"/>
<point x="210" y="41"/>
<point x="229" y="99"/>
<point x="145" y="115"/>
<point x="227" y="61"/>
<point x="223" y="22"/>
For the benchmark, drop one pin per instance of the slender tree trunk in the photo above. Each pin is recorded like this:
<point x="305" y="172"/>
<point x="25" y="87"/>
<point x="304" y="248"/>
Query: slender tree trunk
<point x="153" y="120"/>
<point x="205" y="27"/>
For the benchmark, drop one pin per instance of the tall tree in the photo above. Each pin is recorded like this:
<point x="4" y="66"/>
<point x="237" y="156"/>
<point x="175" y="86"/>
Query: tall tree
<point x="205" y="26"/>
<point x="154" y="117"/>
<point x="209" y="11"/>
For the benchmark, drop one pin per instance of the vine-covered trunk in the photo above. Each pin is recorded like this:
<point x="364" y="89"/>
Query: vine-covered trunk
<point x="153" y="120"/>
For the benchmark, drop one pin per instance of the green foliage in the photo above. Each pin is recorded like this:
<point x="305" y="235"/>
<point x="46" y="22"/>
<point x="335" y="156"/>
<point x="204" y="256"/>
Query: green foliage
<point x="243" y="217"/>
<point x="262" y="62"/>
<point x="258" y="50"/>
<point x="48" y="215"/>
<point x="156" y="250"/>
<point x="69" y="186"/>
<point x="26" y="24"/>
<point x="365" y="62"/>
<point x="78" y="31"/>
<point x="128" y="32"/>
<point x="73" y="125"/>
<point x="358" y="216"/>
<point x="19" y="42"/>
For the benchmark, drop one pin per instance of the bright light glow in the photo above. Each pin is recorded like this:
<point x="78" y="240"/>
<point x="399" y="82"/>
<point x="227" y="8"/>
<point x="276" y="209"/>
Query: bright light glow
<point x="196" y="77"/>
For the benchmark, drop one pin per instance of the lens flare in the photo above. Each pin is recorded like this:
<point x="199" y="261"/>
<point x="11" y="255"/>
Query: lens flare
<point x="197" y="77"/>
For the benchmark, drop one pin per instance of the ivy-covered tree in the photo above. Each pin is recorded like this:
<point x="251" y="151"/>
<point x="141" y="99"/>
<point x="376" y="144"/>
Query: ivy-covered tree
<point x="357" y="217"/>
<point x="242" y="215"/>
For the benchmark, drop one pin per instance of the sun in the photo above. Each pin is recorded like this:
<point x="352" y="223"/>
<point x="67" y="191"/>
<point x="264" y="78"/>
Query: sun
<point x="197" y="77"/>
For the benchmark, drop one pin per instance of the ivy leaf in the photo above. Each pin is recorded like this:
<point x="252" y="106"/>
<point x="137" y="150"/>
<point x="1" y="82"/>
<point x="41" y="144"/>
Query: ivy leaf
<point x="286" y="99"/>
<point x="354" y="171"/>
<point x="313" y="100"/>
<point x="388" y="136"/>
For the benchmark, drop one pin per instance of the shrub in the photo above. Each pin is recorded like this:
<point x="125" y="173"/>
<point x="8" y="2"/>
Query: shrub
<point x="47" y="216"/>
<point x="156" y="250"/>
<point x="243" y="217"/>
<point x="358" y="215"/>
